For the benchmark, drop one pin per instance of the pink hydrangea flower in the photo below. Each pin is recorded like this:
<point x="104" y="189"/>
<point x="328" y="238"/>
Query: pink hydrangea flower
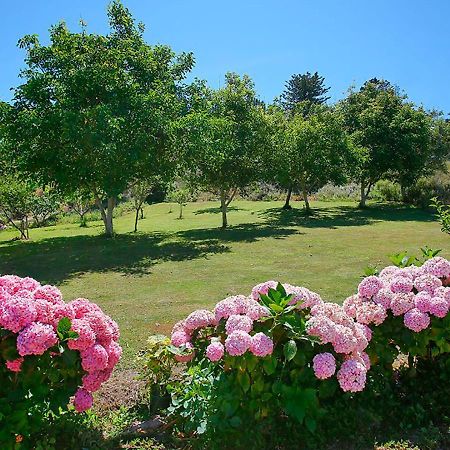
<point x="401" y="285"/>
<point x="83" y="306"/>
<point x="402" y="303"/>
<point x="416" y="320"/>
<point x="199" y="319"/>
<point x="83" y="400"/>
<point x="351" y="305"/>
<point x="35" y="339"/>
<point x="99" y="323"/>
<point x="215" y="351"/>
<point x="322" y="327"/>
<point x="352" y="376"/>
<point x="263" y="288"/>
<point x="236" y="322"/>
<point x="261" y="345"/>
<point x="369" y="286"/>
<point x="437" y="266"/>
<point x="92" y="381"/>
<point x="86" y="336"/>
<point x="422" y="301"/>
<point x="370" y="312"/>
<point x="50" y="293"/>
<point x="237" y="343"/>
<point x="428" y="283"/>
<point x="443" y="292"/>
<point x="15" y="365"/>
<point x="94" y="358"/>
<point x="256" y="311"/>
<point x="225" y="308"/>
<point x="324" y="365"/>
<point x="179" y="338"/>
<point x="383" y="297"/>
<point x="439" y="307"/>
<point x="16" y="314"/>
<point x="114" y="351"/>
<point x="344" y="340"/>
<point x="413" y="271"/>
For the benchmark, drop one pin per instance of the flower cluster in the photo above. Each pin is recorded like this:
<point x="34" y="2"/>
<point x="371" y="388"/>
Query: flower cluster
<point x="233" y="328"/>
<point x="416" y="293"/>
<point x="32" y="312"/>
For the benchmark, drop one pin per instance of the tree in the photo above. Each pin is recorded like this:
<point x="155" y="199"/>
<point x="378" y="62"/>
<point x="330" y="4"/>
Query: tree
<point x="314" y="150"/>
<point x="306" y="89"/>
<point x="394" y="134"/>
<point x="224" y="136"/>
<point x="81" y="201"/>
<point x="94" y="111"/>
<point x="180" y="195"/>
<point x="44" y="204"/>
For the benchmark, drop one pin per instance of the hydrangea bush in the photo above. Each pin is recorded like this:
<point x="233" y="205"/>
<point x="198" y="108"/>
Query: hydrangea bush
<point x="49" y="351"/>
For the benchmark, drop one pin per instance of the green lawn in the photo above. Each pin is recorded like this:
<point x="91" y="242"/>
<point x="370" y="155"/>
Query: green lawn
<point x="150" y="279"/>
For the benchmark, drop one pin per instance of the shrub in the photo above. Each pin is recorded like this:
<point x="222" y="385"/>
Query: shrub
<point x="443" y="214"/>
<point x="330" y="192"/>
<point x="387" y="191"/>
<point x="49" y="351"/>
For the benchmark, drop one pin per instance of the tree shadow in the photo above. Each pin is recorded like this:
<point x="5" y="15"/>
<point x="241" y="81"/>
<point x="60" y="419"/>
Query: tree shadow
<point x="344" y="216"/>
<point x="54" y="260"/>
<point x="217" y="210"/>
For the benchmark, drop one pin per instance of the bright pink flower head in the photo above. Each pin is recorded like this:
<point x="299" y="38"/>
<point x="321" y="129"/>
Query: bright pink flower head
<point x="83" y="400"/>
<point x="61" y="310"/>
<point x="10" y="283"/>
<point x="100" y="325"/>
<point x="261" y="345"/>
<point x="369" y="286"/>
<point x="416" y="320"/>
<point x="437" y="266"/>
<point x="324" y="365"/>
<point x="17" y="313"/>
<point x="15" y="365"/>
<point x="383" y="297"/>
<point x="94" y="358"/>
<point x="263" y="288"/>
<point x="92" y="381"/>
<point x="86" y="337"/>
<point x="215" y="351"/>
<point x="443" y="292"/>
<point x="439" y="307"/>
<point x="401" y="285"/>
<point x="44" y="311"/>
<point x="388" y="272"/>
<point x="402" y="303"/>
<point x="29" y="284"/>
<point x="237" y="343"/>
<point x="180" y="338"/>
<point x="83" y="306"/>
<point x="352" y="376"/>
<point x="35" y="339"/>
<point x="199" y="319"/>
<point x="428" y="283"/>
<point x="50" y="293"/>
<point x="235" y="322"/>
<point x="114" y="351"/>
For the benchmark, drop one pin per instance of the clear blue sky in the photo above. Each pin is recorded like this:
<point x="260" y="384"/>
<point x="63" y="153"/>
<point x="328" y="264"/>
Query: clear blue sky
<point x="348" y="42"/>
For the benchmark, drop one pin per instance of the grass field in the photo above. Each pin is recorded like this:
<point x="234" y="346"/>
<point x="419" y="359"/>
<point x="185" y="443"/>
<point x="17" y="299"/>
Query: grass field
<point x="150" y="279"/>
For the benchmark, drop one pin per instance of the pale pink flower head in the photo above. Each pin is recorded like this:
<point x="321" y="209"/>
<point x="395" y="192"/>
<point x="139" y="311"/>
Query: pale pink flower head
<point x="369" y="286"/>
<point x="225" y="308"/>
<point x="414" y="271"/>
<point x="261" y="345"/>
<point x="83" y="400"/>
<point x="383" y="297"/>
<point x="324" y="365"/>
<point x="370" y="312"/>
<point x="215" y="351"/>
<point x="352" y="376"/>
<point x="237" y="343"/>
<point x="86" y="336"/>
<point x="401" y="284"/>
<point x="402" y="303"/>
<point x="321" y="327"/>
<point x="443" y="292"/>
<point x="17" y="313"/>
<point x="35" y="339"/>
<point x="200" y="318"/>
<point x="180" y="338"/>
<point x="422" y="301"/>
<point x="344" y="340"/>
<point x="351" y="305"/>
<point x="439" y="307"/>
<point x="94" y="358"/>
<point x="15" y="365"/>
<point x="428" y="283"/>
<point x="416" y="320"/>
<point x="388" y="272"/>
<point x="437" y="266"/>
<point x="257" y="311"/>
<point x="263" y="288"/>
<point x="236" y="322"/>
<point x="241" y="303"/>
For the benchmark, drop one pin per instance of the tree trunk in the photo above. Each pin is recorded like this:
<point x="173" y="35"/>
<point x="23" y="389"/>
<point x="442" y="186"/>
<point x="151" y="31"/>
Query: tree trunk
<point x="288" y="199"/>
<point x="109" y="230"/>
<point x="223" y="207"/>
<point x="305" y="198"/>
<point x="136" y="220"/>
<point x="362" y="200"/>
<point x="142" y="212"/>
<point x="181" y="211"/>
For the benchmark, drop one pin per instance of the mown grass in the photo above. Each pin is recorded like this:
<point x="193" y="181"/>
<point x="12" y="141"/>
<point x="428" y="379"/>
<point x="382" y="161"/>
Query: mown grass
<point x="150" y="279"/>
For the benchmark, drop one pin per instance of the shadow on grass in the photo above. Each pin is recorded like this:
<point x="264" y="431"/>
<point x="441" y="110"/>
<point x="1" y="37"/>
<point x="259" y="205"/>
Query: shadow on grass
<point x="217" y="210"/>
<point x="342" y="216"/>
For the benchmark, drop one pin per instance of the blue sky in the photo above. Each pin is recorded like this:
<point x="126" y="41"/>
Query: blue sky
<point x="348" y="42"/>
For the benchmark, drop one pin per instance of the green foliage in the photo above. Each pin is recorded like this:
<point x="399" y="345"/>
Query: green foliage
<point x="443" y="215"/>
<point x="44" y="206"/>
<point x="387" y="191"/>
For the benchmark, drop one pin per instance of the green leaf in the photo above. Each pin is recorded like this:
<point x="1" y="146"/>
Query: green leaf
<point x="243" y="379"/>
<point x="311" y="424"/>
<point x="64" y="325"/>
<point x="290" y="350"/>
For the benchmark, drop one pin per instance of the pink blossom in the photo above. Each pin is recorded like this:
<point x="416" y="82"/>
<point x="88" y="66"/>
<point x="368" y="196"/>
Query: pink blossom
<point x="236" y="322"/>
<point x="324" y="365"/>
<point x="99" y="323"/>
<point x="114" y="351"/>
<point x="369" y="286"/>
<point x="237" y="343"/>
<point x="256" y="311"/>
<point x="83" y="306"/>
<point x="261" y="345"/>
<point x="199" y="319"/>
<point x="322" y="327"/>
<point x="225" y="308"/>
<point x="50" y="293"/>
<point x="383" y="297"/>
<point x="422" y="301"/>
<point x="215" y="351"/>
<point x="437" y="266"/>
<point x="351" y="305"/>
<point x="263" y="288"/>
<point x="401" y="285"/>
<point x="86" y="336"/>
<point x="179" y="338"/>
<point x="416" y="320"/>
<point x="35" y="339"/>
<point x="352" y="376"/>
<point x="344" y="340"/>
<point x="402" y="303"/>
<point x="371" y="313"/>
<point x="428" y="283"/>
<point x="439" y="307"/>
<point x="388" y="272"/>
<point x="94" y="358"/>
<point x="17" y="313"/>
<point x="443" y="292"/>
<point x="92" y="381"/>
<point x="83" y="400"/>
<point x="15" y="365"/>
